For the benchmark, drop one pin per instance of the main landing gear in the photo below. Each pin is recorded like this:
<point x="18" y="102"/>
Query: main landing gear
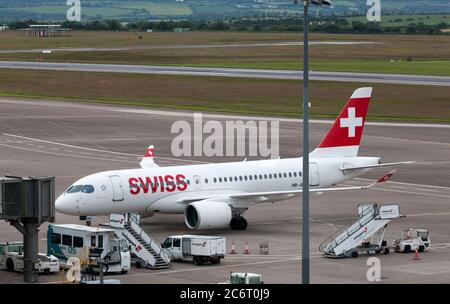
<point x="238" y="223"/>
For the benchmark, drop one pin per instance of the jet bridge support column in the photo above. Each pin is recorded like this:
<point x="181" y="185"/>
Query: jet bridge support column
<point x="29" y="229"/>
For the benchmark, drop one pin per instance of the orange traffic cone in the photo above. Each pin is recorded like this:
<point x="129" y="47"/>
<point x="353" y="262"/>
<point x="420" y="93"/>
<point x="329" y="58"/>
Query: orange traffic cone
<point x="246" y="251"/>
<point x="233" y="249"/>
<point x="416" y="255"/>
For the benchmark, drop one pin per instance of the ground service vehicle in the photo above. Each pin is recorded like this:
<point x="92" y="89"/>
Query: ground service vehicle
<point x="202" y="249"/>
<point x="11" y="259"/>
<point x="71" y="240"/>
<point x="413" y="239"/>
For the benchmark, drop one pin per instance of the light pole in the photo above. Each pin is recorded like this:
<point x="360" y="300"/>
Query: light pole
<point x="305" y="185"/>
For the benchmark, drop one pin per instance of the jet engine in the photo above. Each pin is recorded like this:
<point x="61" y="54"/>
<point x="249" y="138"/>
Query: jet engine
<point x="207" y="215"/>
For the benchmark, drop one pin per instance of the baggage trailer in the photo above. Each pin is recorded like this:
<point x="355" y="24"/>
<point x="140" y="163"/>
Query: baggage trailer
<point x="202" y="249"/>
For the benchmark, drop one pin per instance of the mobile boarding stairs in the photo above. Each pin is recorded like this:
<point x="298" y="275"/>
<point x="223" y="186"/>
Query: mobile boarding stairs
<point x="365" y="234"/>
<point x="145" y="249"/>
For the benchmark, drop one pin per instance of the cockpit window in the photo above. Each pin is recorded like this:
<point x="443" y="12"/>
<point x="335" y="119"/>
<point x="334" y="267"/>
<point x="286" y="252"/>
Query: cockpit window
<point x="74" y="189"/>
<point x="87" y="189"/>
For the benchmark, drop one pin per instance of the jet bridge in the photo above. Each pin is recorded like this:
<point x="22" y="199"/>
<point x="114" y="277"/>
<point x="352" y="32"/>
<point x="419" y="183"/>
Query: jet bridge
<point x="365" y="234"/>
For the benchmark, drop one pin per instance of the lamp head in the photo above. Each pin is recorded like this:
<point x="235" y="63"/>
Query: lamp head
<point x="321" y="2"/>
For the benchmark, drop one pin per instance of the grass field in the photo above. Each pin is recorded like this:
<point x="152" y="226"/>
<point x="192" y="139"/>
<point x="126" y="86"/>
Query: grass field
<point x="430" y="54"/>
<point x="238" y="95"/>
<point x="159" y="9"/>
<point x="61" y="10"/>
<point x="401" y="20"/>
<point x="112" y="9"/>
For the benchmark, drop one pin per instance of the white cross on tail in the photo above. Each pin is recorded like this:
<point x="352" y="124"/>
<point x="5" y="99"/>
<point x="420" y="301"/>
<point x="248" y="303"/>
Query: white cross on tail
<point x="351" y="122"/>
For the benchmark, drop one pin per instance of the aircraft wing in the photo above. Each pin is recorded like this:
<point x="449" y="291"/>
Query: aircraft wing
<point x="269" y="195"/>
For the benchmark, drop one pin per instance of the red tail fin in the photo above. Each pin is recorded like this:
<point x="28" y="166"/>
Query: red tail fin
<point x="344" y="136"/>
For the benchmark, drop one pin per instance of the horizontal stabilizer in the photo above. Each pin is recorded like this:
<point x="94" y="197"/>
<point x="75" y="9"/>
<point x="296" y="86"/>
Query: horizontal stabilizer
<point x="374" y="166"/>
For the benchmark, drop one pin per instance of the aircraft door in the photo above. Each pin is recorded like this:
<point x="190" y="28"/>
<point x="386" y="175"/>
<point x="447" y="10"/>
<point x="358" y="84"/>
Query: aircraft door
<point x="115" y="252"/>
<point x="313" y="175"/>
<point x="117" y="188"/>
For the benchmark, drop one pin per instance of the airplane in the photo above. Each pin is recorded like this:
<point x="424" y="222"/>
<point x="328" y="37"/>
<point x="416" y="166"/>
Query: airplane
<point x="216" y="195"/>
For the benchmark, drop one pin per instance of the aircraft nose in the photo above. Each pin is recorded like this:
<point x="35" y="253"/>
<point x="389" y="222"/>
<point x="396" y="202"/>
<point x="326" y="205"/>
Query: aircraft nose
<point x="65" y="205"/>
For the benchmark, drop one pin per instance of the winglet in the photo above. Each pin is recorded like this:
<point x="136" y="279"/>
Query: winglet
<point x="383" y="179"/>
<point x="147" y="161"/>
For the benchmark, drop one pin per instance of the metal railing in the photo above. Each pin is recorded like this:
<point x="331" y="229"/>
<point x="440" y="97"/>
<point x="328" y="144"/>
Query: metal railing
<point x="151" y="240"/>
<point x="345" y="232"/>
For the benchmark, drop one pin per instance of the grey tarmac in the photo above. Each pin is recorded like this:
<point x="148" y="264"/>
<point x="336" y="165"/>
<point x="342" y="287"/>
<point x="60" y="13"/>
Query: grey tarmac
<point x="71" y="140"/>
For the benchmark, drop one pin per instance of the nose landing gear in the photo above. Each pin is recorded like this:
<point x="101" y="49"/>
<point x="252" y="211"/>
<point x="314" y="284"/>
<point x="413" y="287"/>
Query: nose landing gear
<point x="238" y="223"/>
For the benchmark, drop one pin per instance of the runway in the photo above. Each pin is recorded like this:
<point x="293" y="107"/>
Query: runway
<point x="193" y="46"/>
<point x="71" y="140"/>
<point x="230" y="72"/>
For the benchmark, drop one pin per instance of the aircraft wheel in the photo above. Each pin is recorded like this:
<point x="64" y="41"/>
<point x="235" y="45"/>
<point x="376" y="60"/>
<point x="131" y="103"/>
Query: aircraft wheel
<point x="9" y="265"/>
<point x="238" y="223"/>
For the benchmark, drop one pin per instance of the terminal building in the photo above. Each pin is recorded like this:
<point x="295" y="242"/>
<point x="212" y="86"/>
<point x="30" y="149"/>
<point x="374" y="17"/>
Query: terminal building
<point x="47" y="30"/>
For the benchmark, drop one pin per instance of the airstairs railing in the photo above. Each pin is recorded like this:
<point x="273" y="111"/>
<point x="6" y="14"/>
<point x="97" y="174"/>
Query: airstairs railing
<point x="366" y="215"/>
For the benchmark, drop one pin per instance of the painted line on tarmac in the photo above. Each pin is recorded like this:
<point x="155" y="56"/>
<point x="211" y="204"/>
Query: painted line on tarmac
<point x="65" y="155"/>
<point x="402" y="183"/>
<point x="294" y="259"/>
<point x="91" y="149"/>
<point x="411" y="192"/>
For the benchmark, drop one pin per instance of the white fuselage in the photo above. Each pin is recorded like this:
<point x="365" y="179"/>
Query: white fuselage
<point x="141" y="190"/>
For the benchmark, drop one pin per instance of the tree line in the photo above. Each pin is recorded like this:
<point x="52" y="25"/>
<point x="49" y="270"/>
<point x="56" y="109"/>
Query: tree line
<point x="330" y="24"/>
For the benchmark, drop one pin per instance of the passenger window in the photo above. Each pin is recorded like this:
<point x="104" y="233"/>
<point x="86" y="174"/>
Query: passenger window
<point x="225" y="179"/>
<point x="206" y="180"/>
<point x="215" y="180"/>
<point x="77" y="241"/>
<point x="235" y="178"/>
<point x="87" y="189"/>
<point x="265" y="176"/>
<point x="245" y="177"/>
<point x="290" y="174"/>
<point x="220" y="179"/>
<point x="240" y="178"/>
<point x="300" y="174"/>
<point x="93" y="243"/>
<point x="250" y="177"/>
<point x="255" y="177"/>
<point x="270" y="175"/>
<point x="284" y="174"/>
<point x="280" y="175"/>
<point x="67" y="240"/>
<point x="274" y="175"/>
<point x="56" y="238"/>
<point x="295" y="174"/>
<point x="176" y="242"/>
